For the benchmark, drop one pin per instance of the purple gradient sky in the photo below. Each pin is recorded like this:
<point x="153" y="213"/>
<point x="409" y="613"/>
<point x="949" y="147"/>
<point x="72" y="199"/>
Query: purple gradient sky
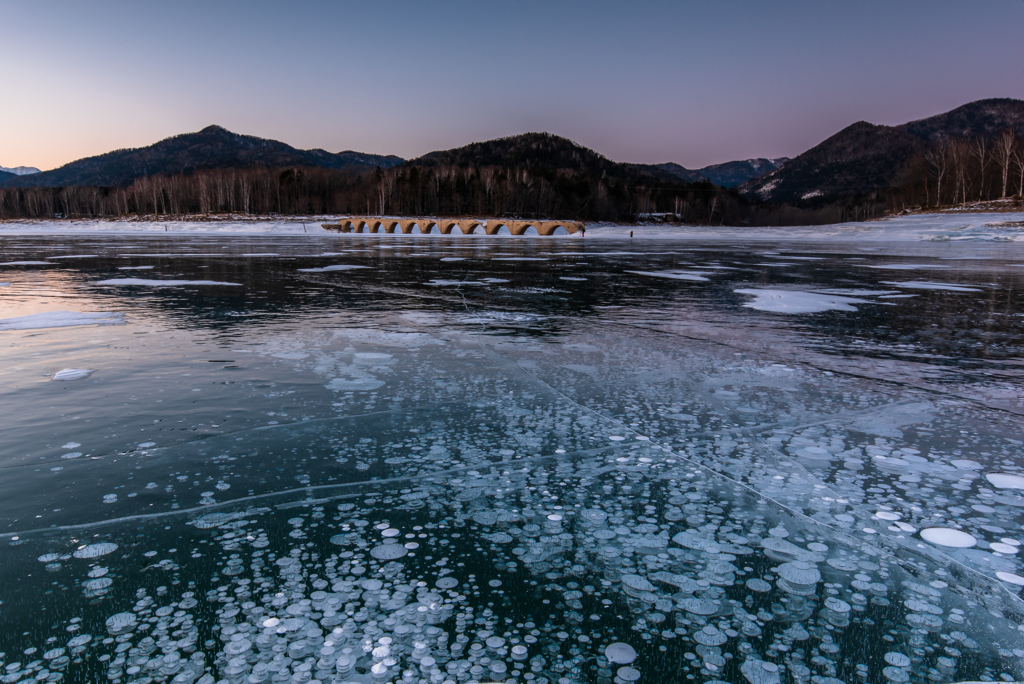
<point x="692" y="82"/>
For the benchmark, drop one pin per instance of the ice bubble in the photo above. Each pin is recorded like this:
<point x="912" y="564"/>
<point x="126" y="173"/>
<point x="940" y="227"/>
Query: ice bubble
<point x="109" y="498"/>
<point x="896" y="675"/>
<point x="72" y="454"/>
<point x="68" y="374"/>
<point x="446" y="583"/>
<point x="146" y="445"/>
<point x="97" y="584"/>
<point x="620" y="653"/>
<point x="354" y="385"/>
<point x="897" y="659"/>
<point x="80" y="640"/>
<point x="554" y="517"/>
<point x="699" y="606"/>
<point x="943" y="536"/>
<point x="1005" y="480"/>
<point x="390" y="532"/>
<point x="51" y="557"/>
<point x="999" y="547"/>
<point x="637" y="583"/>
<point x="95" y="550"/>
<point x="628" y="674"/>
<point x="844" y="564"/>
<point x="799" y="577"/>
<point x="758" y="585"/>
<point x="121" y="623"/>
<point x="70" y="445"/>
<point x="616" y="438"/>
<point x="887" y="515"/>
<point x="760" y="672"/>
<point x="965" y="464"/>
<point x="371" y="358"/>
<point x="388" y="551"/>
<point x="1011" y="578"/>
<point x="710" y="636"/>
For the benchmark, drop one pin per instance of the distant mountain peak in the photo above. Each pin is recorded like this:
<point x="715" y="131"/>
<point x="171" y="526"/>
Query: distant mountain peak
<point x="214" y="147"/>
<point x="727" y="174"/>
<point x="20" y="170"/>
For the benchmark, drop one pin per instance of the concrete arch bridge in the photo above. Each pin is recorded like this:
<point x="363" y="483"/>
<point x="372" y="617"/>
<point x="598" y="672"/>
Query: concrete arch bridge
<point x="375" y="224"/>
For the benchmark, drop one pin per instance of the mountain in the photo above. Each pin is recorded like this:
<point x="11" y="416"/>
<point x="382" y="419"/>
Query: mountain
<point x="864" y="158"/>
<point x="727" y="175"/>
<point x="19" y="170"/>
<point x="538" y="151"/>
<point x="533" y="151"/>
<point x="211" y="148"/>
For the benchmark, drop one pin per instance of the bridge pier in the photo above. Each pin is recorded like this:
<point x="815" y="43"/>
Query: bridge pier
<point x="372" y="224"/>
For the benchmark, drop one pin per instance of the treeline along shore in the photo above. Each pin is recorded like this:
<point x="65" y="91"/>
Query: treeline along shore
<point x="401" y="191"/>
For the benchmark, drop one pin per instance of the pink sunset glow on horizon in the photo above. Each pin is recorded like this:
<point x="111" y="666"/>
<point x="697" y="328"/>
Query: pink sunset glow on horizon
<point x="651" y="82"/>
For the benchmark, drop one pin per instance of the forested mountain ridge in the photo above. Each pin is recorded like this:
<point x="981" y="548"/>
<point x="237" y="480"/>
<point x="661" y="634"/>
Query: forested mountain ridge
<point x="211" y="148"/>
<point x="533" y="152"/>
<point x="869" y="160"/>
<point x="727" y="175"/>
<point x="537" y="151"/>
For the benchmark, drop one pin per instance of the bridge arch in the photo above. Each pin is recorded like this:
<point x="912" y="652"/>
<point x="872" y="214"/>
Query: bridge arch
<point x="426" y="226"/>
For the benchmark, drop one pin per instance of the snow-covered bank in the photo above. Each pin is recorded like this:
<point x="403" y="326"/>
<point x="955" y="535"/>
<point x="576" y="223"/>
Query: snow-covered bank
<point x="983" y="227"/>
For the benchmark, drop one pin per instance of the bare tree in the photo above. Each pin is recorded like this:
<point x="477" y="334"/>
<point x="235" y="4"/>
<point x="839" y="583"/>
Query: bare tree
<point x="980" y="150"/>
<point x="1004" y="155"/>
<point x="959" y="153"/>
<point x="936" y="158"/>
<point x="1018" y="158"/>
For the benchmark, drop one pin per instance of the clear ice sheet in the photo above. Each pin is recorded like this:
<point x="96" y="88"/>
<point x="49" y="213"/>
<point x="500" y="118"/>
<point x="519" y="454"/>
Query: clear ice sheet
<point x="360" y="477"/>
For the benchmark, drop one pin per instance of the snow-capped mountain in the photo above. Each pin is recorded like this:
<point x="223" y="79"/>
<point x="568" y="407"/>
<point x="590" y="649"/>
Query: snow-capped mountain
<point x="19" y="170"/>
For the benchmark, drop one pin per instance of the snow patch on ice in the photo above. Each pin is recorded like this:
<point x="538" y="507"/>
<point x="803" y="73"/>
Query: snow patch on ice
<point x="336" y="267"/>
<point x="921" y="285"/>
<point x="68" y="374"/>
<point x="905" y="267"/>
<point x="673" y="275"/>
<point x="142" y="282"/>
<point x="798" y="302"/>
<point x="61" y="319"/>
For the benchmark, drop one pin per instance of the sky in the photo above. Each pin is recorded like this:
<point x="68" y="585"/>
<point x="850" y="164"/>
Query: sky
<point x="695" y="83"/>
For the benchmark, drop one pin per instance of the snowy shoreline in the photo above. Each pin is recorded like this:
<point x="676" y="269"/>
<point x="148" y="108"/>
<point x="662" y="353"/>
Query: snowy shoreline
<point x="980" y="227"/>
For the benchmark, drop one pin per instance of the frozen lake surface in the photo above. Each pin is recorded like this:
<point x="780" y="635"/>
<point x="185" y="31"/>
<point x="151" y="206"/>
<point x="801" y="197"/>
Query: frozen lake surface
<point x="356" y="458"/>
